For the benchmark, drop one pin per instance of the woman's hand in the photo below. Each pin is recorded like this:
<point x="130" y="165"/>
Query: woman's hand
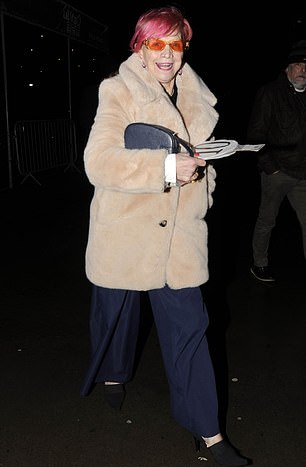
<point x="186" y="168"/>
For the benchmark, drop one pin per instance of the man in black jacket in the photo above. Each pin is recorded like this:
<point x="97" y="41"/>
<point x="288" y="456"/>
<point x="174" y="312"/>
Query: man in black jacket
<point x="278" y="119"/>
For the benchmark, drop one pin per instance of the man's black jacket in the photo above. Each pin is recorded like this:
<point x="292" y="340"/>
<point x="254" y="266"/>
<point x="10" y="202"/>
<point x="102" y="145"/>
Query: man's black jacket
<point x="278" y="119"/>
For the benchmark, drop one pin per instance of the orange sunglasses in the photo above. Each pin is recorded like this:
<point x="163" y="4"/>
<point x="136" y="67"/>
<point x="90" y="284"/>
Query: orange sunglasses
<point x="159" y="44"/>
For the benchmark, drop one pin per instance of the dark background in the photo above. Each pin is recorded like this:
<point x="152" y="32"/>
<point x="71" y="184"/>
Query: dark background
<point x="234" y="48"/>
<point x="256" y="333"/>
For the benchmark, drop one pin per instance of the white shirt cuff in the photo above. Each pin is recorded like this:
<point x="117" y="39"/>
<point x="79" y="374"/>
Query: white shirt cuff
<point x="170" y="169"/>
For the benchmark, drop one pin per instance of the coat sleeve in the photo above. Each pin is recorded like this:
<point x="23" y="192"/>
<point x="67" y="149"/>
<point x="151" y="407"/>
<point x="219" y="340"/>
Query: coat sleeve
<point x="258" y="127"/>
<point x="108" y="164"/>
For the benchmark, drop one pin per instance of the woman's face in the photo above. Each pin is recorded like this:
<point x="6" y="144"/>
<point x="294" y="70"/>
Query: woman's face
<point x="163" y="64"/>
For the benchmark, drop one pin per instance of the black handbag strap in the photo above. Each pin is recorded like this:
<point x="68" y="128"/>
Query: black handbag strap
<point x="186" y="146"/>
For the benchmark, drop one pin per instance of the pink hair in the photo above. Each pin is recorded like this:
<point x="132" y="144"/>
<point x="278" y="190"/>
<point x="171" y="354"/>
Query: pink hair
<point x="160" y="22"/>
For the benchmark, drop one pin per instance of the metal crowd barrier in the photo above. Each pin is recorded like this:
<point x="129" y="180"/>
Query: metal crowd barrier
<point x="44" y="144"/>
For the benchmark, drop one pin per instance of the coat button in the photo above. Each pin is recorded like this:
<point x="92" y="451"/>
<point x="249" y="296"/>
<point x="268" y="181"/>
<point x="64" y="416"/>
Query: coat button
<point x="163" y="223"/>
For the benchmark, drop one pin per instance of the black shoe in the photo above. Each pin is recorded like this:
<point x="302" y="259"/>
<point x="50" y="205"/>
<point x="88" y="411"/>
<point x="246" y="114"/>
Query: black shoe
<point x="262" y="273"/>
<point x="224" y="453"/>
<point x="114" y="394"/>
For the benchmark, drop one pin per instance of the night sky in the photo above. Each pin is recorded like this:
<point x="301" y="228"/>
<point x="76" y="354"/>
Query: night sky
<point x="233" y="42"/>
<point x="234" y="48"/>
<point x="218" y="26"/>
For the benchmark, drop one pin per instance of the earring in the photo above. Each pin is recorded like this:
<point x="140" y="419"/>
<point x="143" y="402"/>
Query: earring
<point x="180" y="72"/>
<point x="143" y="65"/>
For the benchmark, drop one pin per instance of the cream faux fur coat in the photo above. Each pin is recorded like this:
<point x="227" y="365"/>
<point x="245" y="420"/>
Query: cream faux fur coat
<point x="142" y="237"/>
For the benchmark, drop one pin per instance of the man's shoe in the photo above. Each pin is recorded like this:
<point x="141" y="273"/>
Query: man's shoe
<point x="262" y="273"/>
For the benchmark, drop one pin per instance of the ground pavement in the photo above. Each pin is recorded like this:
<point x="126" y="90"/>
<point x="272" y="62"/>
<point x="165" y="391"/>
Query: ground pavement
<point x="257" y="340"/>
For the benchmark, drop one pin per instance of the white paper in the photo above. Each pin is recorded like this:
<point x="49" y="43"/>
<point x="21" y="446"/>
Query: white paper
<point x="219" y="148"/>
<point x="249" y="147"/>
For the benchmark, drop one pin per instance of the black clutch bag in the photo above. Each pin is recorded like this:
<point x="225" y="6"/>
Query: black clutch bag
<point x="145" y="135"/>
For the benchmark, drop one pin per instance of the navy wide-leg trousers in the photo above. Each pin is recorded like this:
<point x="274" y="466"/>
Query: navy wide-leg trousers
<point x="181" y="321"/>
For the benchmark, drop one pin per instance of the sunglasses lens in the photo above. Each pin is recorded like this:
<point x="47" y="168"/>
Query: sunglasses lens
<point x="156" y="44"/>
<point x="177" y="46"/>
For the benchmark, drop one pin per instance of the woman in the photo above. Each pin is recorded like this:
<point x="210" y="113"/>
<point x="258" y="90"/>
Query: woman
<point x="147" y="230"/>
